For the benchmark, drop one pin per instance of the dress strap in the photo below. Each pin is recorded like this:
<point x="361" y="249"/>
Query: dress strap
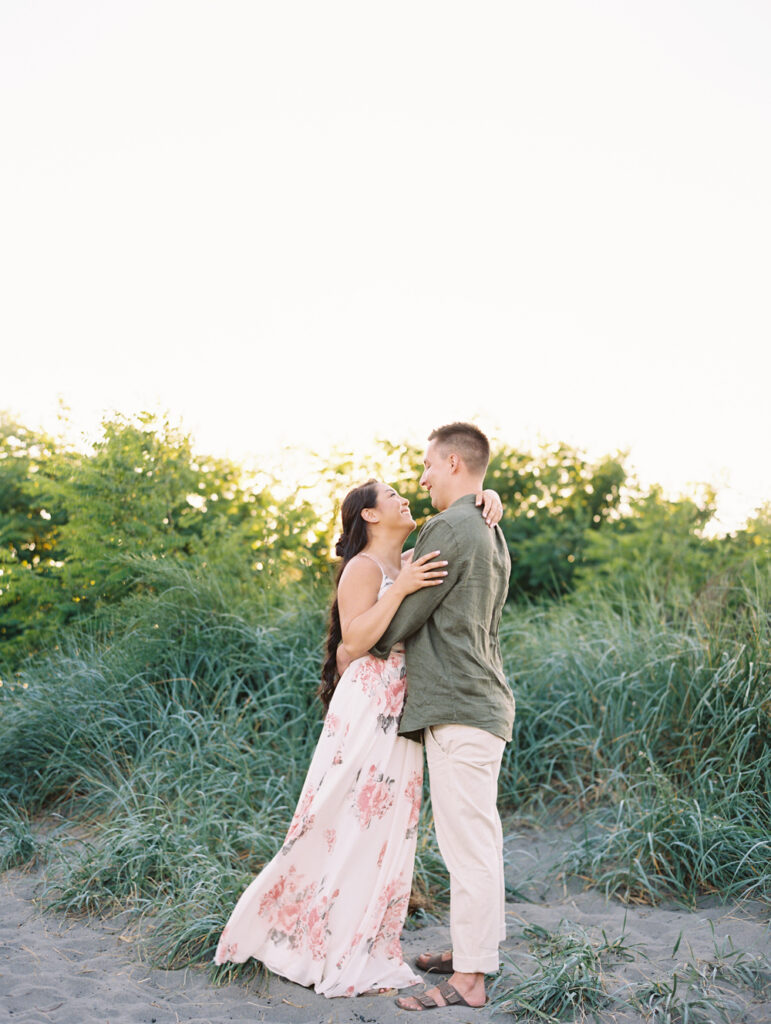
<point x="377" y="563"/>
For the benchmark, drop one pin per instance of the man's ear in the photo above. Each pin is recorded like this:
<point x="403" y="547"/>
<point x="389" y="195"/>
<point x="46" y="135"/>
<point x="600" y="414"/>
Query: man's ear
<point x="454" y="463"/>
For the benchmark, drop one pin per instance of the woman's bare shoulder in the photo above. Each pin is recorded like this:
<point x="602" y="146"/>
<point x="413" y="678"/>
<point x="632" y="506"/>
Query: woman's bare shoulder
<point x="361" y="569"/>
<point x="359" y="583"/>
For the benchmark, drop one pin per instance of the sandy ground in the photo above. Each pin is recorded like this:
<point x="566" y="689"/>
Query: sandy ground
<point x="61" y="971"/>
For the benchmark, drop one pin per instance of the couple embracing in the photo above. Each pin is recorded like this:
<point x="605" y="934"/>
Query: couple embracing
<point x="412" y="658"/>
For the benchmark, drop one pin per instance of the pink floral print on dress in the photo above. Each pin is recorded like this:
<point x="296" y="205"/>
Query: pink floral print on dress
<point x="414" y="793"/>
<point x="226" y="950"/>
<point x="374" y="797"/>
<point x="328" y="909"/>
<point x="392" y="909"/>
<point x="301" y="822"/>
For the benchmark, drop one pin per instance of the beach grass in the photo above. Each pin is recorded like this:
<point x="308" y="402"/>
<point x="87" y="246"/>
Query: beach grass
<point x="570" y="974"/>
<point x="176" y="729"/>
<point x="18" y="843"/>
<point x="651" y="727"/>
<point x="564" y="976"/>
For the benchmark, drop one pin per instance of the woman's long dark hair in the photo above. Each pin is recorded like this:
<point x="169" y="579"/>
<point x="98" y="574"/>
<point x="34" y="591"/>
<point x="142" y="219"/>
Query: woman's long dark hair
<point x="351" y="542"/>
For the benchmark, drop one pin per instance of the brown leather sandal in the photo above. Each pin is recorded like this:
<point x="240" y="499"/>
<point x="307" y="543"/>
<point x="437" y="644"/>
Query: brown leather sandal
<point x="450" y="994"/>
<point x="434" y="963"/>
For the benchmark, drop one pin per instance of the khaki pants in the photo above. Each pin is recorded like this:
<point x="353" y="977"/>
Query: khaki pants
<point x="463" y="767"/>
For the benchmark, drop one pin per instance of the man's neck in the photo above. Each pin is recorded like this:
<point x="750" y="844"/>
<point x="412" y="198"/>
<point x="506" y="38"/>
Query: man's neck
<point x="464" y="487"/>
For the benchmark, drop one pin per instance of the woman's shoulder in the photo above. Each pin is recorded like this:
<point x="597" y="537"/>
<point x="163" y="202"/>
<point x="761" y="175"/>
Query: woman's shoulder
<point x="362" y="568"/>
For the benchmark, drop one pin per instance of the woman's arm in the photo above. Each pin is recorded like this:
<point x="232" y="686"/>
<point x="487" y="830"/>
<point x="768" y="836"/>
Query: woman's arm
<point x="364" y="618"/>
<point x="492" y="506"/>
<point x="492" y="512"/>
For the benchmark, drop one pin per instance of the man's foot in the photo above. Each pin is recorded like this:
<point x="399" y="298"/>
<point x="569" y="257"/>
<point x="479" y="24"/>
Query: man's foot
<point x="461" y="990"/>
<point x="435" y="963"/>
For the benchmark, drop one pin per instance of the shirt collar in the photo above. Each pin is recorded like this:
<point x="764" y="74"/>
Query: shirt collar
<point x="466" y="499"/>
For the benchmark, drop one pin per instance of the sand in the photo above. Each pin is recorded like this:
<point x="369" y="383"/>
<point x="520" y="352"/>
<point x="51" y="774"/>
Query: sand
<point x="64" y="971"/>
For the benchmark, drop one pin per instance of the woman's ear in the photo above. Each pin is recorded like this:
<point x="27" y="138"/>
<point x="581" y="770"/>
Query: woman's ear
<point x="369" y="515"/>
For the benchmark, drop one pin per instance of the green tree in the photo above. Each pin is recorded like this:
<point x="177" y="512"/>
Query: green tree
<point x="551" y="498"/>
<point x="658" y="542"/>
<point x="555" y="499"/>
<point x="31" y="517"/>
<point x="140" y="492"/>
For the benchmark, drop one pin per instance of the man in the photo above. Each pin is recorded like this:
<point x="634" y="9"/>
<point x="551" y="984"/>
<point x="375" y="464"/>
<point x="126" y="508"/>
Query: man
<point x="458" y="700"/>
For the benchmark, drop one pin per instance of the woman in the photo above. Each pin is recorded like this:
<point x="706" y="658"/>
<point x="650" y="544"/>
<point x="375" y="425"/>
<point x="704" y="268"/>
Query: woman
<point x="328" y="909"/>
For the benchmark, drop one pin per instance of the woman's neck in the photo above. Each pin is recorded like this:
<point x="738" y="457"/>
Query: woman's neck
<point x="388" y="551"/>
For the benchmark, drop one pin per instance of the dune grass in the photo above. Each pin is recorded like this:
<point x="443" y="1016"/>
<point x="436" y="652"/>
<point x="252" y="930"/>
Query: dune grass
<point x="653" y="728"/>
<point x="570" y="974"/>
<point x="18" y="843"/>
<point x="177" y="732"/>
<point x="565" y="975"/>
<point x="177" y="728"/>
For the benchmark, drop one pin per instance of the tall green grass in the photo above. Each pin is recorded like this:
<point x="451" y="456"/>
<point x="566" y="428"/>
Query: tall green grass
<point x="177" y="729"/>
<point x="653" y="724"/>
<point x="571" y="975"/>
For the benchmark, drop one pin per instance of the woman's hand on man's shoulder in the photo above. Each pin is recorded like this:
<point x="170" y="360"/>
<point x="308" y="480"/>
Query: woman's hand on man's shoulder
<point x="492" y="506"/>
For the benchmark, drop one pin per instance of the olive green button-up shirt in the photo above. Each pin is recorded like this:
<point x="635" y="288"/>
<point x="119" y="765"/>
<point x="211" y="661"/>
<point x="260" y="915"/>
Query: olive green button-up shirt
<point x="454" y="668"/>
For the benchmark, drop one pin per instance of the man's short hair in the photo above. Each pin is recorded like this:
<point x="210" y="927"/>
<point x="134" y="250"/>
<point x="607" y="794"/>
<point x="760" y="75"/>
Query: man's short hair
<point x="467" y="441"/>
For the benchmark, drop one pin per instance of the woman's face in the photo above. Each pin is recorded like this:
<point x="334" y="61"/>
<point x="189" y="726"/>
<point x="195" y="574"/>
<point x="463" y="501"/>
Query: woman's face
<point x="392" y="509"/>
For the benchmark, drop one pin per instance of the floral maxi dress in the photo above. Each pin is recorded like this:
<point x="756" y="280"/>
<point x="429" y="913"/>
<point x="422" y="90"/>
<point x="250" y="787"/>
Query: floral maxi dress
<point x="328" y="909"/>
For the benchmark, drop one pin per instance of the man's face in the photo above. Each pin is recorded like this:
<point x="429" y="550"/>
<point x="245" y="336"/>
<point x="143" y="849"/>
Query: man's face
<point x="436" y="476"/>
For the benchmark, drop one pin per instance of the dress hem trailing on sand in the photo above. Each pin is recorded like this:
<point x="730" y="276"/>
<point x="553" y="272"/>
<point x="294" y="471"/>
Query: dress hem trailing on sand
<point x="328" y="910"/>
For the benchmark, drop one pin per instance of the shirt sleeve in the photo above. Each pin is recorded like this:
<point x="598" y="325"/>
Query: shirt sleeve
<point x="418" y="607"/>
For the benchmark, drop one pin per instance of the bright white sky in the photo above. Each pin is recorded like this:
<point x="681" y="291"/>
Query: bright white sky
<point x="324" y="222"/>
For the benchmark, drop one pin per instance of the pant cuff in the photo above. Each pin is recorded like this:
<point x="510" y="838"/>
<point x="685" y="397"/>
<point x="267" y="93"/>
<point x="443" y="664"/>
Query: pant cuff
<point x="476" y="964"/>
